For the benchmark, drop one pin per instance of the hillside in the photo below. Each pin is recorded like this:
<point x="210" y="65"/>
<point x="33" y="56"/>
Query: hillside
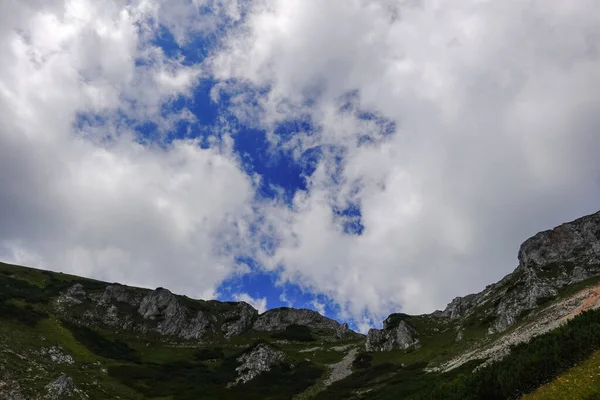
<point x="63" y="336"/>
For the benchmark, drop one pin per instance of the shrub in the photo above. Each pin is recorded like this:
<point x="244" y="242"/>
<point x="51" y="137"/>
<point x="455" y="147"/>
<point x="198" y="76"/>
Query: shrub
<point x="100" y="345"/>
<point x="23" y="315"/>
<point x="362" y="360"/>
<point x="297" y="333"/>
<point x="204" y="354"/>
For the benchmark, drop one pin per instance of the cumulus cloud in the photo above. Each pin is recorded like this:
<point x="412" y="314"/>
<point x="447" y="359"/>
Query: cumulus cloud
<point x="79" y="192"/>
<point x="457" y="129"/>
<point x="495" y="137"/>
<point x="259" y="303"/>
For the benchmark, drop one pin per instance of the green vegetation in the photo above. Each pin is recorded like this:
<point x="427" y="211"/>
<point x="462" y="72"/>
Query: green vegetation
<point x="529" y="364"/>
<point x="362" y="361"/>
<point x="194" y="379"/>
<point x="208" y="353"/>
<point x="388" y="381"/>
<point x="134" y="365"/>
<point x="100" y="345"/>
<point x="578" y="383"/>
<point x="293" y="332"/>
<point x="27" y="315"/>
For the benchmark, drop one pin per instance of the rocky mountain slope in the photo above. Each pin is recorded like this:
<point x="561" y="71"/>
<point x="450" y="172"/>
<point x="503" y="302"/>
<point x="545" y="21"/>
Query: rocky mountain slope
<point x="63" y="336"/>
<point x="539" y="295"/>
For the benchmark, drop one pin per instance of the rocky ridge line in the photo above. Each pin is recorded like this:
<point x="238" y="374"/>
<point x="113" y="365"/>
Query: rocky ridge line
<point x="548" y="262"/>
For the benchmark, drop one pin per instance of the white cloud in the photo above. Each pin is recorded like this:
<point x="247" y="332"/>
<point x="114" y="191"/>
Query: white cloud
<point x="496" y="135"/>
<point x="285" y="300"/>
<point x="320" y="307"/>
<point x="88" y="198"/>
<point x="259" y="303"/>
<point x="494" y="103"/>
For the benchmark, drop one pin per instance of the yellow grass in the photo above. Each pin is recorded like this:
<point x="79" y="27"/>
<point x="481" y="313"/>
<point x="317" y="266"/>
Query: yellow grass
<point x="579" y="383"/>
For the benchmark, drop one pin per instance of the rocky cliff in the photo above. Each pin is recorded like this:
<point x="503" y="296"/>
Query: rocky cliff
<point x="166" y="314"/>
<point x="549" y="263"/>
<point x="67" y="336"/>
<point x="401" y="335"/>
<point x="278" y="319"/>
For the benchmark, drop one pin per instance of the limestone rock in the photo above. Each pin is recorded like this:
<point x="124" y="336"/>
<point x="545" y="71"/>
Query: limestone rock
<point x="402" y="336"/>
<point x="74" y="295"/>
<point x="280" y="318"/>
<point x="162" y="306"/>
<point x="121" y="294"/>
<point x="261" y="358"/>
<point x="576" y="241"/>
<point x="459" y="335"/>
<point x="459" y="307"/>
<point x="160" y="303"/>
<point x="61" y="388"/>
<point x="239" y="320"/>
<point x="57" y="355"/>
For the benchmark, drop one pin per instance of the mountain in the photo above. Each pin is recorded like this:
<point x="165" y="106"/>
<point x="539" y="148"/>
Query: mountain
<point x="63" y="336"/>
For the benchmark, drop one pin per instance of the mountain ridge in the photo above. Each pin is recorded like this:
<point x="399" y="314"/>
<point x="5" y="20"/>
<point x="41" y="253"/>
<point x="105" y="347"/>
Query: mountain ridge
<point x="64" y="336"/>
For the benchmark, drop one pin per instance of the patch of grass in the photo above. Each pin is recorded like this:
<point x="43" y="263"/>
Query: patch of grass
<point x="579" y="383"/>
<point x="208" y="353"/>
<point x="297" y="333"/>
<point x="194" y="379"/>
<point x="26" y="315"/>
<point x="529" y="364"/>
<point x="115" y="349"/>
<point x="362" y="360"/>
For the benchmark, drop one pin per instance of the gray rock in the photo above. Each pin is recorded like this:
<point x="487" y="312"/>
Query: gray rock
<point x="402" y="336"/>
<point x="459" y="335"/>
<point x="261" y="358"/>
<point x="61" y="388"/>
<point x="280" y="318"/>
<point x="121" y="294"/>
<point x="114" y="318"/>
<point x="198" y="326"/>
<point x="576" y="241"/>
<point x="162" y="306"/>
<point x="239" y="320"/>
<point x="459" y="307"/>
<point x="160" y="303"/>
<point x="10" y="389"/>
<point x="74" y="295"/>
<point x="579" y="274"/>
<point x="57" y="355"/>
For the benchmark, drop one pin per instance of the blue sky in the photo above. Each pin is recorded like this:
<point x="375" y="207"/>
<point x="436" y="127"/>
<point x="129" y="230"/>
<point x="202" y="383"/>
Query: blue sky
<point x="354" y="157"/>
<point x="282" y="174"/>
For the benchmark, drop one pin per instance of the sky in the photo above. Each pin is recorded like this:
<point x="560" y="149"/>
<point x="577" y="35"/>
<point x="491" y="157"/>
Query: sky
<point x="354" y="157"/>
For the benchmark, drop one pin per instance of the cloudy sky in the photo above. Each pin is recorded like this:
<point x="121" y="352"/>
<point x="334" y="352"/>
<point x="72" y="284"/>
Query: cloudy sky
<point x="356" y="157"/>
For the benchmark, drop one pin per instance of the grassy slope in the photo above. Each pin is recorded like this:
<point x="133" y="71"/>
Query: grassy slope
<point x="22" y="344"/>
<point x="579" y="383"/>
<point x="21" y="358"/>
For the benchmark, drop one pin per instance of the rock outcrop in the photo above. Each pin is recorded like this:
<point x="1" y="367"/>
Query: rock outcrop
<point x="163" y="306"/>
<point x="120" y="294"/>
<point x="400" y="336"/>
<point x="261" y="358"/>
<point x="548" y="262"/>
<point x="576" y="241"/>
<point x="278" y="319"/>
<point x="238" y="320"/>
<point x="61" y="388"/>
<point x="73" y="296"/>
<point x="57" y="355"/>
<point x="459" y="307"/>
<point x="125" y="308"/>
